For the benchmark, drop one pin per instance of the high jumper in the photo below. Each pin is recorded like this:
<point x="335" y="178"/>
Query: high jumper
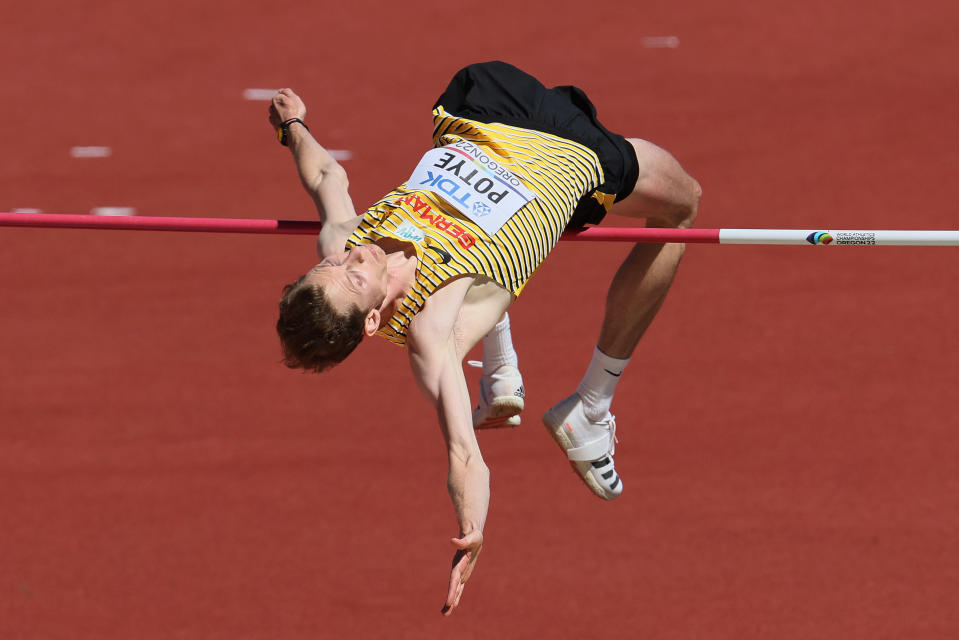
<point x="435" y="264"/>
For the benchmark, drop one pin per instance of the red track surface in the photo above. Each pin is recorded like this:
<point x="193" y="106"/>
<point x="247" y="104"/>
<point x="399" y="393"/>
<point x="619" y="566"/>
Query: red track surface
<point x="788" y="429"/>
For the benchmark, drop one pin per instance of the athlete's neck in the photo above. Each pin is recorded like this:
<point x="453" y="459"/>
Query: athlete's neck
<point x="401" y="273"/>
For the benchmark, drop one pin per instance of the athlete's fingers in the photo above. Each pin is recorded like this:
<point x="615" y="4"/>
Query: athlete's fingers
<point x="453" y="599"/>
<point x="451" y="594"/>
<point x="459" y="574"/>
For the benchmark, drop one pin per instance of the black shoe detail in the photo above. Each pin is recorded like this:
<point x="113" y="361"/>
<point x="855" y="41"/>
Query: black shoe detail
<point x="608" y="474"/>
<point x="615" y="484"/>
<point x="615" y="375"/>
<point x="600" y="463"/>
<point x="520" y="393"/>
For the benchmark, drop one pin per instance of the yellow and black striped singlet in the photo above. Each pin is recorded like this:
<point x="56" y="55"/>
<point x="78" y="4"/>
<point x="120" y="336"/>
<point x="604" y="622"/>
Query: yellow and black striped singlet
<point x="448" y="244"/>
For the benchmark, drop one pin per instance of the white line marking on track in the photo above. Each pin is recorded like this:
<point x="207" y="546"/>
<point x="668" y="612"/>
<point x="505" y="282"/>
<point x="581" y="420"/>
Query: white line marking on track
<point x="113" y="211"/>
<point x="91" y="152"/>
<point x="26" y="210"/>
<point x="660" y="42"/>
<point x="258" y="94"/>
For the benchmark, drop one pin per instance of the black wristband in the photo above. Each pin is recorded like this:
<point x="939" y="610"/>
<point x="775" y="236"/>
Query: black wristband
<point x="283" y="131"/>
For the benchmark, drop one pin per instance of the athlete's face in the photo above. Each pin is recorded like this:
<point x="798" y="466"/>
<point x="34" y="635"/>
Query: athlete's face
<point x="356" y="276"/>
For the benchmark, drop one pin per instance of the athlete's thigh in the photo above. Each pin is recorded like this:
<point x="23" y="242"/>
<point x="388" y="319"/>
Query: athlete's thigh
<point x="664" y="192"/>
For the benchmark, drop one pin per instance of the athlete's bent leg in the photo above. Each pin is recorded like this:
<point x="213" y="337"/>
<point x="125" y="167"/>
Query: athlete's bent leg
<point x="666" y="196"/>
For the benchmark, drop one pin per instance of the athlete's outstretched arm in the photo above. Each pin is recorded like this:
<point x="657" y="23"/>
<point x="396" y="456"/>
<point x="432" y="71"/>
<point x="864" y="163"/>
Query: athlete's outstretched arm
<point x="439" y="373"/>
<point x="321" y="175"/>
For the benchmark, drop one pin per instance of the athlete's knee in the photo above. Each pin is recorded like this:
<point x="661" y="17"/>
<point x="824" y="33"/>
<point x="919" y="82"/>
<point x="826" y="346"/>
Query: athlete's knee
<point x="664" y="193"/>
<point x="681" y="209"/>
<point x="686" y="204"/>
<point x="691" y="208"/>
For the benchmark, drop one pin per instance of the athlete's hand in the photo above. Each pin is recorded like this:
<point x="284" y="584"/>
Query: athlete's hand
<point x="286" y="105"/>
<point x="467" y="551"/>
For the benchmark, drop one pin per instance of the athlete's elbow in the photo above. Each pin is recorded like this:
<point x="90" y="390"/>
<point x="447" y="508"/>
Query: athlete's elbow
<point x="466" y="457"/>
<point x="334" y="172"/>
<point x="326" y="176"/>
<point x="465" y="466"/>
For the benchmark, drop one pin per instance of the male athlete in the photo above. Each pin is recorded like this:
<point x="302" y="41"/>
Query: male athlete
<point x="435" y="264"/>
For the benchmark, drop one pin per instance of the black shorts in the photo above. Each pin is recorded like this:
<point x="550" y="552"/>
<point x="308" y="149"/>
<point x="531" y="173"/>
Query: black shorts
<point x="491" y="92"/>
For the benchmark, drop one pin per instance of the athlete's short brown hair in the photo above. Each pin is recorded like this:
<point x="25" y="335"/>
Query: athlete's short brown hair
<point x="314" y="335"/>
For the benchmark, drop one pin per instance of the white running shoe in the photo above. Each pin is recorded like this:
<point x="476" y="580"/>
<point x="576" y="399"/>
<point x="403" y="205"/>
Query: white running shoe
<point x="501" y="398"/>
<point x="588" y="445"/>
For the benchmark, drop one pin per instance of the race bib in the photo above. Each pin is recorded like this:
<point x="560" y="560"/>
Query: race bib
<point x="478" y="186"/>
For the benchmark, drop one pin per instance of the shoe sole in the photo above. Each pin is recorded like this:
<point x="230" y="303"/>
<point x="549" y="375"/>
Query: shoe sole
<point x="501" y="410"/>
<point x="564" y="443"/>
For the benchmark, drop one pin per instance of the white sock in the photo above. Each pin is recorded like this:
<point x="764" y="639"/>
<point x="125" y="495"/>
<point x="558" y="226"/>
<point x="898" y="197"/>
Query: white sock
<point x="599" y="383"/>
<point x="498" y="347"/>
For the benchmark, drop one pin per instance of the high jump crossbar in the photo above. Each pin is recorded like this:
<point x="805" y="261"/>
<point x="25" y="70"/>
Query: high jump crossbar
<point x="595" y="234"/>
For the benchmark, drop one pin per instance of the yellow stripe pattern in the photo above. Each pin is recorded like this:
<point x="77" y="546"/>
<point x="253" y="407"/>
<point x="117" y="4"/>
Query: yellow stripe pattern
<point x="559" y="171"/>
